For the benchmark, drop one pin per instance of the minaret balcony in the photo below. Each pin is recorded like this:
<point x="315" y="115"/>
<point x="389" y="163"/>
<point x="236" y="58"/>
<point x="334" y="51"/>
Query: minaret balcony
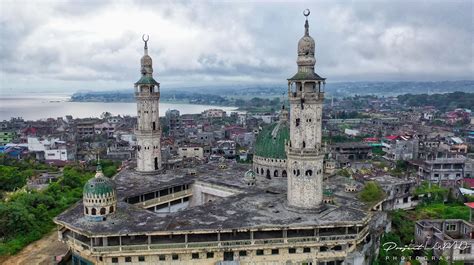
<point x="147" y="95"/>
<point x="307" y="96"/>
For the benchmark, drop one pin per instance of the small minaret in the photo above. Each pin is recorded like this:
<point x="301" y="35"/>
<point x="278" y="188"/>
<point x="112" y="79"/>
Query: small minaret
<point x="148" y="132"/>
<point x="304" y="153"/>
<point x="283" y="114"/>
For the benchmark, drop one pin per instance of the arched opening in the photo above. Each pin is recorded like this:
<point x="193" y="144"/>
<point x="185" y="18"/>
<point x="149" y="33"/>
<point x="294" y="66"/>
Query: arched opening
<point x="102" y="211"/>
<point x="156" y="163"/>
<point x="111" y="209"/>
<point x="275" y="174"/>
<point x="268" y="174"/>
<point x="262" y="171"/>
<point x="87" y="210"/>
<point x="283" y="173"/>
<point x="154" y="126"/>
<point x="304" y="144"/>
<point x="337" y="248"/>
<point x="308" y="173"/>
<point x="297" y="122"/>
<point x="94" y="211"/>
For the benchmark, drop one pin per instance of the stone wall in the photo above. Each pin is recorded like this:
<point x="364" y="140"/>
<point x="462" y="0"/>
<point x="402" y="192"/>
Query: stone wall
<point x="269" y="167"/>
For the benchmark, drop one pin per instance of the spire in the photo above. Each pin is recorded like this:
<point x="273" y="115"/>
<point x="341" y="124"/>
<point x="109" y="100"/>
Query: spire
<point x="146" y="61"/>
<point x="306" y="13"/>
<point x="98" y="170"/>
<point x="145" y="40"/>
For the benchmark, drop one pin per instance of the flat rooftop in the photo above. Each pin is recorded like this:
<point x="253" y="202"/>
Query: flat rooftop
<point x="262" y="206"/>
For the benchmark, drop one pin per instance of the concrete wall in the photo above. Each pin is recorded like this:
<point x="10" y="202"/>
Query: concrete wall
<point x="205" y="192"/>
<point x="275" y="167"/>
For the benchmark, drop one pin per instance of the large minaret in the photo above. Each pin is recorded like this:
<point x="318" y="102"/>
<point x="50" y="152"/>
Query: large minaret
<point x="148" y="132"/>
<point x="304" y="153"/>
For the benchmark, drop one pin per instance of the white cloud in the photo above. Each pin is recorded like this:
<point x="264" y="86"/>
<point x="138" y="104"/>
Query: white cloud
<point x="84" y="45"/>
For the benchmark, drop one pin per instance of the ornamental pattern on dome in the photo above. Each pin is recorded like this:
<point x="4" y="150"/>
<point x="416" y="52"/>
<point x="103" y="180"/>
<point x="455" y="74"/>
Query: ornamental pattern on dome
<point x="271" y="141"/>
<point x="99" y="197"/>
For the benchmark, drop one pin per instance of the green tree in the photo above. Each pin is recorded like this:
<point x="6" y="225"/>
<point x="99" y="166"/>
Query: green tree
<point x="371" y="193"/>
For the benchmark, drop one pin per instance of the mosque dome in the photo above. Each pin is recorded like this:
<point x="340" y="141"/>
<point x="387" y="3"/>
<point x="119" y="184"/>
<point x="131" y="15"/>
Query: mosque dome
<point x="250" y="177"/>
<point x="98" y="187"/>
<point x="249" y="174"/>
<point x="99" y="197"/>
<point x="270" y="142"/>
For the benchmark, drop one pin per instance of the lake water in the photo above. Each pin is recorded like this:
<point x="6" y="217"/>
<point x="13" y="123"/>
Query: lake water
<point x="43" y="106"/>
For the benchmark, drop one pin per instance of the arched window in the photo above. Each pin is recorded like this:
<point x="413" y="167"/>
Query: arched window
<point x="94" y="211"/>
<point x="304" y="144"/>
<point x="308" y="173"/>
<point x="102" y="211"/>
<point x="268" y="174"/>
<point x="275" y="174"/>
<point x="111" y="209"/>
<point x="87" y="210"/>
<point x="283" y="173"/>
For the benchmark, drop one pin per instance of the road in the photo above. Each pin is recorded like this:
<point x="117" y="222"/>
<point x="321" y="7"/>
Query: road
<point x="40" y="252"/>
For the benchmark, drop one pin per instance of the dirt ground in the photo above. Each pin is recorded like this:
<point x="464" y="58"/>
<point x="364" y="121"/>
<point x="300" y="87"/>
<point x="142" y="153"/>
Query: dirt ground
<point x="39" y="252"/>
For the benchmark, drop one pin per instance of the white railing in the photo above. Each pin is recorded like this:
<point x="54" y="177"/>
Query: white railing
<point x="234" y="243"/>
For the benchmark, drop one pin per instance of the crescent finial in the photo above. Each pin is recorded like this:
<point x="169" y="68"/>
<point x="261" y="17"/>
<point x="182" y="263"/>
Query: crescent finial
<point x="147" y="37"/>
<point x="306" y="12"/>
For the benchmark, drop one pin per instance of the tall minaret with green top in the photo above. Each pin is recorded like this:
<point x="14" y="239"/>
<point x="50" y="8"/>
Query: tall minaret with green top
<point x="148" y="131"/>
<point x="304" y="153"/>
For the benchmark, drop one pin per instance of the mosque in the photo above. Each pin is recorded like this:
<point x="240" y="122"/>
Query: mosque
<point x="280" y="211"/>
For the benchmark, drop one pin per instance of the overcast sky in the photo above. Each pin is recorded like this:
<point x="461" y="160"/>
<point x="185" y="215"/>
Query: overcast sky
<point x="49" y="45"/>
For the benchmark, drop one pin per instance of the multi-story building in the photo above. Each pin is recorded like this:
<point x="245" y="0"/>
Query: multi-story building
<point x="400" y="148"/>
<point x="192" y="151"/>
<point x="223" y="213"/>
<point x="224" y="148"/>
<point x="6" y="137"/>
<point x="85" y="128"/>
<point x="213" y="113"/>
<point x="451" y="239"/>
<point x="351" y="151"/>
<point x="173" y="120"/>
<point x="446" y="171"/>
<point x="399" y="193"/>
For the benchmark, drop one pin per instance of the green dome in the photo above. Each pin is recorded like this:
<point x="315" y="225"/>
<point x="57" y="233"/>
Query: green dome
<point x="250" y="174"/>
<point x="271" y="141"/>
<point x="99" y="186"/>
<point x="328" y="192"/>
